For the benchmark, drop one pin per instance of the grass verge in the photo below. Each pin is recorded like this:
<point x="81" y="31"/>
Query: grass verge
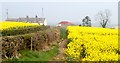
<point x="28" y="55"/>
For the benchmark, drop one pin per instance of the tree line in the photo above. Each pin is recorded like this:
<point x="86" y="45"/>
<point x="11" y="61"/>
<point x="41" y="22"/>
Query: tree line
<point x="103" y="17"/>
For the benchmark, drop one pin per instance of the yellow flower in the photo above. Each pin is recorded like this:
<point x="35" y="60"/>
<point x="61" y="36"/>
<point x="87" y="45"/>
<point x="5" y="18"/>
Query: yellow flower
<point x="99" y="43"/>
<point x="7" y="25"/>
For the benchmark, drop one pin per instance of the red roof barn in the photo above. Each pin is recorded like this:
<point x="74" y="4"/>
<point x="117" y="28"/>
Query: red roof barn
<point x="65" y="23"/>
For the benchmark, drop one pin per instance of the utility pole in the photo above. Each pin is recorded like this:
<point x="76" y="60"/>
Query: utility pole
<point x="7" y="13"/>
<point x="42" y="13"/>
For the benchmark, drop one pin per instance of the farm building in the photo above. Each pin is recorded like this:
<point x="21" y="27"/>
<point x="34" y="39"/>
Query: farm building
<point x="41" y="21"/>
<point x="64" y="23"/>
<point x="115" y="27"/>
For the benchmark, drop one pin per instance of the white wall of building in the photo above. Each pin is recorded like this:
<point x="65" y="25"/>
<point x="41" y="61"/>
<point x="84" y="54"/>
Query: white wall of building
<point x="45" y="22"/>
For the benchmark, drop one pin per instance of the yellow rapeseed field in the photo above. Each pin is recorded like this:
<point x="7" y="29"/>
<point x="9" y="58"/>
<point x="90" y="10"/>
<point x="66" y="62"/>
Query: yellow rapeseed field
<point x="92" y="44"/>
<point x="10" y="24"/>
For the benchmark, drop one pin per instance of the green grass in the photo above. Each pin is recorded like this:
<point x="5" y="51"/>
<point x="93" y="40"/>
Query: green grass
<point x="28" y="55"/>
<point x="63" y="34"/>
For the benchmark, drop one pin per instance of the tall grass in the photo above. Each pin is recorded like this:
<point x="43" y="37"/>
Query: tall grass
<point x="63" y="34"/>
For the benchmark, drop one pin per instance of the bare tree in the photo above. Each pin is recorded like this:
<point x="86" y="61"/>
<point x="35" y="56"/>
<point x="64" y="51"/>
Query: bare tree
<point x="103" y="17"/>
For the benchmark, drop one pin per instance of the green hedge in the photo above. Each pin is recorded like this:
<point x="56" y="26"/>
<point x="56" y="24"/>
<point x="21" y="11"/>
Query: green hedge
<point x="23" y="30"/>
<point x="32" y="41"/>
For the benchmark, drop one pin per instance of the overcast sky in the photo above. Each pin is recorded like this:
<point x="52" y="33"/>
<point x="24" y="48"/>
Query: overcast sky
<point x="55" y="12"/>
<point x="59" y="0"/>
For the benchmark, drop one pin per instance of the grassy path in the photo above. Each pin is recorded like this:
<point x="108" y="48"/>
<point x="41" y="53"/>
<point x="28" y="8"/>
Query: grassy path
<point x="61" y="55"/>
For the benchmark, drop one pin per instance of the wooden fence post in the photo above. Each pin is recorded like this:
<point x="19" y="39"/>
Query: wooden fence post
<point x="31" y="43"/>
<point x="23" y="43"/>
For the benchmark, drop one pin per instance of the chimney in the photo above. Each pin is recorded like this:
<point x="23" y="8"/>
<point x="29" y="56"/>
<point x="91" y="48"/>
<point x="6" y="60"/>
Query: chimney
<point x="36" y="19"/>
<point x="36" y="16"/>
<point x="27" y="18"/>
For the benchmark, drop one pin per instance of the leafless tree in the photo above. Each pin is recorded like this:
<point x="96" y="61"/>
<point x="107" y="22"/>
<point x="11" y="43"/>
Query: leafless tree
<point x="103" y="17"/>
